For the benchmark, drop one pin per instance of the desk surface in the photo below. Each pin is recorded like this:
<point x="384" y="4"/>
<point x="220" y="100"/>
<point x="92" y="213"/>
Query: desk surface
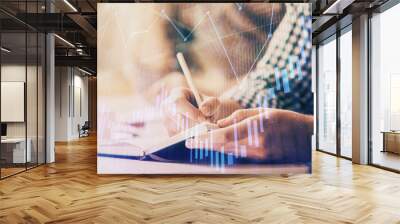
<point x="123" y="166"/>
<point x="391" y="132"/>
<point x="13" y="140"/>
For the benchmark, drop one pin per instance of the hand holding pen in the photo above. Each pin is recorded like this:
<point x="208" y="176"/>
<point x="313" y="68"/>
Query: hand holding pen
<point x="190" y="107"/>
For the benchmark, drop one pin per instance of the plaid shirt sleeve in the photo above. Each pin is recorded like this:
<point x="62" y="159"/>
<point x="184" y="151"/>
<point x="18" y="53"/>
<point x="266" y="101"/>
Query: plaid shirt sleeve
<point x="282" y="78"/>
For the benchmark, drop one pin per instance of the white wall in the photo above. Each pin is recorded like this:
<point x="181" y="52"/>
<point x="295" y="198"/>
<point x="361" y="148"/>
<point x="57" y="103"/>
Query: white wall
<point x="62" y="82"/>
<point x="70" y="83"/>
<point x="81" y="103"/>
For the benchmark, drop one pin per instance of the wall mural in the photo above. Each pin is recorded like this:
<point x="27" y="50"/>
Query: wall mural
<point x="204" y="88"/>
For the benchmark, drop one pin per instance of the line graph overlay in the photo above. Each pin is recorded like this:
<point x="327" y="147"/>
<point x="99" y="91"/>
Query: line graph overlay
<point x="265" y="43"/>
<point x="219" y="38"/>
<point x="222" y="45"/>
<point x="172" y="23"/>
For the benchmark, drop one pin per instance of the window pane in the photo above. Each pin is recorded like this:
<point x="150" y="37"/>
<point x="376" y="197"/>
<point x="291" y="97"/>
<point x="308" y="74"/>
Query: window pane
<point x="327" y="97"/>
<point x="385" y="89"/>
<point x="346" y="94"/>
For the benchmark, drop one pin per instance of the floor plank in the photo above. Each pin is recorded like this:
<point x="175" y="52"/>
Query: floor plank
<point x="70" y="191"/>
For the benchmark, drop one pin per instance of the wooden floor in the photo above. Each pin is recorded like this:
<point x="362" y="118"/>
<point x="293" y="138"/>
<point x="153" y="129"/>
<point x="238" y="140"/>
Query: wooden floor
<point x="70" y="191"/>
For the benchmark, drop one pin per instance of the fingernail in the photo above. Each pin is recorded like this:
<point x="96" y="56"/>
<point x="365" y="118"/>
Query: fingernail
<point x="220" y="122"/>
<point x="189" y="143"/>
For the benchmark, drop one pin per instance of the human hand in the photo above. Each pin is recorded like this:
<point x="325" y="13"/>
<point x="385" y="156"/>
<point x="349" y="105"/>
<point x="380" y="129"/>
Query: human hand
<point x="181" y="111"/>
<point x="266" y="134"/>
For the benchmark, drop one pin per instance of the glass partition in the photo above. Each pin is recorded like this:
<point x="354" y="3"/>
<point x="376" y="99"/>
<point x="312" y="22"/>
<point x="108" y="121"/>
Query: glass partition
<point x="327" y="96"/>
<point x="35" y="56"/>
<point x="385" y="89"/>
<point x="41" y="97"/>
<point x="14" y="153"/>
<point x="22" y="77"/>
<point x="31" y="99"/>
<point x="346" y="93"/>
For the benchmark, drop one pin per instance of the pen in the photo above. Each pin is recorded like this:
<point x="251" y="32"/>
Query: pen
<point x="188" y="76"/>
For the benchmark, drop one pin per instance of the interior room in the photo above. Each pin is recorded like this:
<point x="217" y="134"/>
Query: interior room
<point x="22" y="102"/>
<point x="103" y="120"/>
<point x="384" y="89"/>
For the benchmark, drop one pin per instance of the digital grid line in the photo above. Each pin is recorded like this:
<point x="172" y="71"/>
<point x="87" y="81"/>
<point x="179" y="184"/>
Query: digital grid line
<point x="265" y="43"/>
<point x="222" y="44"/>
<point x="219" y="37"/>
<point x="172" y="23"/>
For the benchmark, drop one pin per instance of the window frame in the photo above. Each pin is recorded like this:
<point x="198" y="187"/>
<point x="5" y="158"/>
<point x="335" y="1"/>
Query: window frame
<point x="334" y="37"/>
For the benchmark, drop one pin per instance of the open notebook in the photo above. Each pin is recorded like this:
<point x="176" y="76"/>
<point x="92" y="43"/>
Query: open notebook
<point x="176" y="142"/>
<point x="173" y="150"/>
<point x="199" y="129"/>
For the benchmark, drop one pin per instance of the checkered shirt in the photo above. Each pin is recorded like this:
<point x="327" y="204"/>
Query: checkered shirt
<point x="282" y="78"/>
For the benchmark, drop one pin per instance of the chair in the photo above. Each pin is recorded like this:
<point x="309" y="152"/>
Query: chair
<point x="84" y="130"/>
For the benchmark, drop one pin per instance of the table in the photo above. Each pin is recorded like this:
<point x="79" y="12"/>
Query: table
<point x="391" y="141"/>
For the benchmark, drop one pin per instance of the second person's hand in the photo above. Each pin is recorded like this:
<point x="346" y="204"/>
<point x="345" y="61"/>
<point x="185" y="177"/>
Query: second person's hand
<point x="266" y="133"/>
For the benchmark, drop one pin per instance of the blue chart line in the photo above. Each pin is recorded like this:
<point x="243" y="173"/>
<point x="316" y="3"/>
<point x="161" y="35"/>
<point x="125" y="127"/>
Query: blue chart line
<point x="285" y="79"/>
<point x="217" y="159"/>
<point x="261" y="124"/>
<point x="299" y="71"/>
<point x="277" y="77"/>
<point x="201" y="150"/>
<point x="255" y="128"/>
<point x="249" y="134"/>
<point x="271" y="92"/>
<point x="206" y="148"/>
<point x="291" y="66"/>
<point x="265" y="103"/>
<point x="211" y="159"/>
<point x="260" y="111"/>
<point x="230" y="159"/>
<point x="223" y="158"/>
<point x="235" y="133"/>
